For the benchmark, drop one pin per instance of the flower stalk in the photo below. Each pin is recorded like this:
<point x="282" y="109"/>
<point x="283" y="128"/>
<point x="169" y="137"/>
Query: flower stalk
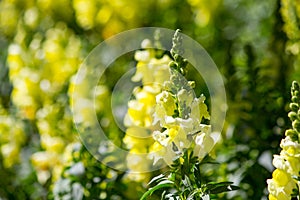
<point x="183" y="140"/>
<point x="285" y="181"/>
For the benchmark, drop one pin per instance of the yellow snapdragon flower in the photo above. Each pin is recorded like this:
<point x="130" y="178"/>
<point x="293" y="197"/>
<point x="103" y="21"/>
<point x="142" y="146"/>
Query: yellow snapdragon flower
<point x="170" y="144"/>
<point x="138" y="139"/>
<point x="181" y="133"/>
<point x="281" y="185"/>
<point x="85" y="12"/>
<point x="150" y="70"/>
<point x="204" y="144"/>
<point x="8" y="18"/>
<point x="203" y="10"/>
<point x="140" y="110"/>
<point x="12" y="138"/>
<point x="40" y="72"/>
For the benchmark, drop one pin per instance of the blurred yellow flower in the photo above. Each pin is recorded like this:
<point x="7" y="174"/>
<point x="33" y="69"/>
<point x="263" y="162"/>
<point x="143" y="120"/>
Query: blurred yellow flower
<point x="8" y="18"/>
<point x="10" y="151"/>
<point x="85" y="12"/>
<point x="12" y="138"/>
<point x="52" y="144"/>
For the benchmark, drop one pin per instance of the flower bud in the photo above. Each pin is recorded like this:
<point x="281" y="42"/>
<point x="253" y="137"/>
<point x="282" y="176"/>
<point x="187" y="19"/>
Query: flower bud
<point x="289" y="132"/>
<point x="146" y="43"/>
<point x="294" y="107"/>
<point x="173" y="65"/>
<point x="184" y="63"/>
<point x="296" y="125"/>
<point x="295" y="99"/>
<point x="182" y="71"/>
<point x="176" y="56"/>
<point x="295" y="85"/>
<point x="192" y="84"/>
<point x="292" y="115"/>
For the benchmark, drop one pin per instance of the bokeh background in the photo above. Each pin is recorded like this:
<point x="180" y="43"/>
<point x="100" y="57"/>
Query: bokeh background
<point x="255" y="44"/>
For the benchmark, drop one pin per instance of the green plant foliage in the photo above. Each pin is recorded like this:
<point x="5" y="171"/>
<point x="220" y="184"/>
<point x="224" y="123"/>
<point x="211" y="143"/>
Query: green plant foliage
<point x="255" y="44"/>
<point x="184" y="181"/>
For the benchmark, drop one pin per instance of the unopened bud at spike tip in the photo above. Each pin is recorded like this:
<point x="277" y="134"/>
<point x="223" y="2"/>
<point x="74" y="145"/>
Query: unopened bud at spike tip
<point x="295" y="85"/>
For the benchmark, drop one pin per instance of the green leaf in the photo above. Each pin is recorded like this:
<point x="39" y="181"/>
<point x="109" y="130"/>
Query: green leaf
<point x="211" y="185"/>
<point x="163" y="184"/>
<point x="157" y="178"/>
<point x="186" y="182"/>
<point x="215" y="188"/>
<point x="196" y="191"/>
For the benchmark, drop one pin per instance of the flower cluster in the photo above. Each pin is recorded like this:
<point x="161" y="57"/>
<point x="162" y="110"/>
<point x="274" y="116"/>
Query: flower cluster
<point x="165" y="117"/>
<point x="42" y="56"/>
<point x="179" y="114"/>
<point x="12" y="138"/>
<point x="40" y="74"/>
<point x="285" y="179"/>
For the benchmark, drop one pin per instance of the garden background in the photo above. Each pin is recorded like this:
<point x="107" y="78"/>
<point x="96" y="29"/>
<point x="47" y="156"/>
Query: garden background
<point x="255" y="44"/>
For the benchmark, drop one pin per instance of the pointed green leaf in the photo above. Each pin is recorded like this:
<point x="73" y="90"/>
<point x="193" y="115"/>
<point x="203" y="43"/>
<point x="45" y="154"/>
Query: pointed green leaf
<point x="163" y="184"/>
<point x="157" y="178"/>
<point x="215" y="188"/>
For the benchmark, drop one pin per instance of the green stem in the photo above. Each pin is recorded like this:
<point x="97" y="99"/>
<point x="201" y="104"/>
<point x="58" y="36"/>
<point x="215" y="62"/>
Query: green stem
<point x="181" y="197"/>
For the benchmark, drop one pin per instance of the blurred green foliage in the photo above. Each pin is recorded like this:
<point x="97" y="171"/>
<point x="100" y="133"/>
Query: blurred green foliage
<point x="255" y="44"/>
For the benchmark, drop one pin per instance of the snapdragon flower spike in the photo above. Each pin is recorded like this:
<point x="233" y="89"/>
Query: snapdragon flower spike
<point x="179" y="113"/>
<point x="182" y="140"/>
<point x="285" y="179"/>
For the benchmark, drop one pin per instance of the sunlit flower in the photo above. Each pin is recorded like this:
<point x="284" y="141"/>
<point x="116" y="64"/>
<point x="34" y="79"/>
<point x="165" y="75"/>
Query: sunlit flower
<point x="12" y="139"/>
<point x="281" y="185"/>
<point x="204" y="144"/>
<point x="180" y="114"/>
